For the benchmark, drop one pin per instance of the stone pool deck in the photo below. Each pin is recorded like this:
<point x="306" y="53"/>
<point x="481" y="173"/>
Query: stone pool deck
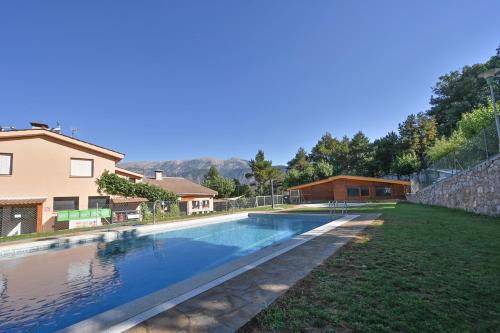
<point x="227" y="307"/>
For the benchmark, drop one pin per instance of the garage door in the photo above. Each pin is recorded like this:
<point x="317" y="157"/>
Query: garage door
<point x="17" y="220"/>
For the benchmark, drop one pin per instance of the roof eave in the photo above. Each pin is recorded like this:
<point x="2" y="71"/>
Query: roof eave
<point x="116" y="156"/>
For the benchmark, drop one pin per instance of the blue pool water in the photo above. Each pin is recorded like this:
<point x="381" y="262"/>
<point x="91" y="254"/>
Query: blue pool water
<point x="50" y="290"/>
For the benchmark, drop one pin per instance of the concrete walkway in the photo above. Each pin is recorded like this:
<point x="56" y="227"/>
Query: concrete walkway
<point x="229" y="306"/>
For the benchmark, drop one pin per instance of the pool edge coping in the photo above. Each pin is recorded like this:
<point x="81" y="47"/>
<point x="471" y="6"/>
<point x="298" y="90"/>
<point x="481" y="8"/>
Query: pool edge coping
<point x="134" y="312"/>
<point x="8" y="251"/>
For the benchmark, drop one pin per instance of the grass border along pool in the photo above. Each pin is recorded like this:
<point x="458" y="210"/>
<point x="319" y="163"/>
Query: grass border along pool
<point x="419" y="269"/>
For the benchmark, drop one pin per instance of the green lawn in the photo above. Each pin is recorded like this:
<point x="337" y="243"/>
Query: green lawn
<point x="419" y="269"/>
<point x="67" y="232"/>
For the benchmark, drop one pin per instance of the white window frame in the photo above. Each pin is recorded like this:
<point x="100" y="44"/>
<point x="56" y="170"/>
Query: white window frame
<point x="71" y="174"/>
<point x="11" y="163"/>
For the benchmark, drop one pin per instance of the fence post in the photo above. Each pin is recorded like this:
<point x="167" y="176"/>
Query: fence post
<point x="485" y="144"/>
<point x="272" y="194"/>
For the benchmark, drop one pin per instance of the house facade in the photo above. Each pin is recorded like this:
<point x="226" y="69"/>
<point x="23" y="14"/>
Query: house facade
<point x="43" y="172"/>
<point x="351" y="188"/>
<point x="194" y="198"/>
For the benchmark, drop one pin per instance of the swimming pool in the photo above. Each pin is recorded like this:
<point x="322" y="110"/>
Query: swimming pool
<point x="53" y="289"/>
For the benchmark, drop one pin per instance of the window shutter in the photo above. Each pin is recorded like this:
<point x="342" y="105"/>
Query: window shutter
<point x="81" y="168"/>
<point x="5" y="164"/>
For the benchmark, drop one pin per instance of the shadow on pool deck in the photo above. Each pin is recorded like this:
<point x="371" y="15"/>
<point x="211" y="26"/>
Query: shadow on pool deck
<point x="229" y="306"/>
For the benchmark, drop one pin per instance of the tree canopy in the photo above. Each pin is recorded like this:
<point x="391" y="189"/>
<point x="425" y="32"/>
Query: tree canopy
<point x="263" y="171"/>
<point x="459" y="92"/>
<point x="225" y="187"/>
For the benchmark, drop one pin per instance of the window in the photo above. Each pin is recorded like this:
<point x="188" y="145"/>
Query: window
<point x="195" y="204"/>
<point x="206" y="203"/>
<point x="365" y="191"/>
<point x="101" y="202"/>
<point x="66" y="203"/>
<point x="353" y="191"/>
<point x="82" y="167"/>
<point x="5" y="164"/>
<point x="382" y="191"/>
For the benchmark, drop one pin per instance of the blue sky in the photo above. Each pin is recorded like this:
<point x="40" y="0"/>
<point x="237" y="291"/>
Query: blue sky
<point x="184" y="79"/>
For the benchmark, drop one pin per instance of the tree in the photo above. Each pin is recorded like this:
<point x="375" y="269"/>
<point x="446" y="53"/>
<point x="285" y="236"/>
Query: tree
<point x="225" y="187"/>
<point x="212" y="174"/>
<point x="241" y="189"/>
<point x="300" y="161"/>
<point x="406" y="164"/>
<point x="322" y="170"/>
<point x="470" y="124"/>
<point x="324" y="149"/>
<point x="385" y="151"/>
<point x="416" y="134"/>
<point x="473" y="122"/>
<point x="459" y="92"/>
<point x="409" y="134"/>
<point x="427" y="135"/>
<point x="445" y="146"/>
<point x="331" y="150"/>
<point x="360" y="155"/>
<point x="263" y="172"/>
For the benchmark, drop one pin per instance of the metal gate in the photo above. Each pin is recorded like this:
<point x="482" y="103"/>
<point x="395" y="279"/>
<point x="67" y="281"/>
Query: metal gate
<point x="17" y="220"/>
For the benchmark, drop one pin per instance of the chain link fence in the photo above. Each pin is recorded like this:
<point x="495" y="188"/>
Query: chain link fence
<point x="481" y="147"/>
<point x="226" y="205"/>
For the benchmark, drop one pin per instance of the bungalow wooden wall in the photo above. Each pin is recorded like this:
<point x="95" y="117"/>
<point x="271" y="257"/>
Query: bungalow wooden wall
<point x="337" y="190"/>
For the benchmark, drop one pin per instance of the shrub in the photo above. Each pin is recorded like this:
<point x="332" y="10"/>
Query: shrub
<point x="173" y="211"/>
<point x="112" y="184"/>
<point x="145" y="212"/>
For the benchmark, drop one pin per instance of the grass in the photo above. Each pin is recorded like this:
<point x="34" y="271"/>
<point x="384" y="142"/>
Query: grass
<point x="67" y="232"/>
<point x="419" y="269"/>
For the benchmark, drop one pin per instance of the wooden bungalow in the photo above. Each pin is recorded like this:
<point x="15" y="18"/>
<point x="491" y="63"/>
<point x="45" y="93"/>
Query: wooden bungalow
<point x="350" y="188"/>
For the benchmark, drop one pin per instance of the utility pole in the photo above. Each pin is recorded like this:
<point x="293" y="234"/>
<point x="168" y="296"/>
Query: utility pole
<point x="489" y="76"/>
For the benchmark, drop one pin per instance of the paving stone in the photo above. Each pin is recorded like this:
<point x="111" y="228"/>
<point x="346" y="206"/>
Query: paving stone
<point x="230" y="305"/>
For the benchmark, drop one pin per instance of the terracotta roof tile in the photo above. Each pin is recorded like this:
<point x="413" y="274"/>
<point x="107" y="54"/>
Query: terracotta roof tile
<point x="21" y="201"/>
<point x="181" y="186"/>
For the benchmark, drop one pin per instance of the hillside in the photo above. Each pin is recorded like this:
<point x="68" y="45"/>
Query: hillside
<point x="193" y="169"/>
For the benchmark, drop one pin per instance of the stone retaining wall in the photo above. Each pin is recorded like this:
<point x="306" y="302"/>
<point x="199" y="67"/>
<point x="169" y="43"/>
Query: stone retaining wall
<point x="475" y="190"/>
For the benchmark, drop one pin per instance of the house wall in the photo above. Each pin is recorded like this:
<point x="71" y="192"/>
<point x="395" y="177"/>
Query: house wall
<point x="41" y="168"/>
<point x="190" y="199"/>
<point x="337" y="190"/>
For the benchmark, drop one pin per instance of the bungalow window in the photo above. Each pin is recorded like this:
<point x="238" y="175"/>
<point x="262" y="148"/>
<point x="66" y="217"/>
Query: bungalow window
<point x="81" y="167"/>
<point x="205" y="203"/>
<point x="365" y="191"/>
<point x="383" y="191"/>
<point x="66" y="203"/>
<point x="353" y="191"/>
<point x="5" y="164"/>
<point x="195" y="204"/>
<point x="101" y="202"/>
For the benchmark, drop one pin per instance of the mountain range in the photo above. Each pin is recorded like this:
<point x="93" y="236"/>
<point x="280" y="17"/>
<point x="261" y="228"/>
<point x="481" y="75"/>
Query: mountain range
<point x="194" y="169"/>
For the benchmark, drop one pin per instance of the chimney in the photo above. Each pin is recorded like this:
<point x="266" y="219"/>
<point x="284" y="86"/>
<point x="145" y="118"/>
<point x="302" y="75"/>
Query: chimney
<point x="39" y="125"/>
<point x="158" y="174"/>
